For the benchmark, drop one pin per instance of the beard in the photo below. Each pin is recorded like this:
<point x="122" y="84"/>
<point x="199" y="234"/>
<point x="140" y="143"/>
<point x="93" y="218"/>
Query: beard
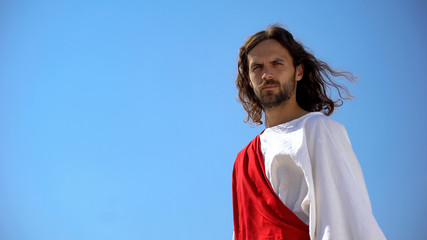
<point x="269" y="99"/>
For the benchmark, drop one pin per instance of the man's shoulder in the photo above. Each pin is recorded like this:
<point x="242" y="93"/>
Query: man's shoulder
<point x="319" y="127"/>
<point x="252" y="143"/>
<point x="316" y="120"/>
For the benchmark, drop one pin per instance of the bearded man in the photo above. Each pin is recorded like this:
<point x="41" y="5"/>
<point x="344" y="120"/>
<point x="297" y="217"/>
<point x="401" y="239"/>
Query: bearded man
<point x="299" y="178"/>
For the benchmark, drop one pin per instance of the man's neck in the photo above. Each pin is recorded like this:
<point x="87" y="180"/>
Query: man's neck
<point x="283" y="113"/>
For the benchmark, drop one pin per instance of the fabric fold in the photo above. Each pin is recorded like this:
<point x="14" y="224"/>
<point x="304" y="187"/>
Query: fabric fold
<point x="258" y="211"/>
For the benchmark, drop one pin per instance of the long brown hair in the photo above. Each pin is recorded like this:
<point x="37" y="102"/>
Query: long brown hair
<point x="312" y="89"/>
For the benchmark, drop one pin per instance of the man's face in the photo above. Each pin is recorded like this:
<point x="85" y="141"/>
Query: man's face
<point x="272" y="74"/>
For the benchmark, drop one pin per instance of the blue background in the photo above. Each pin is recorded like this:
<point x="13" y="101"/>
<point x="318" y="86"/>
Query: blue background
<point x="119" y="119"/>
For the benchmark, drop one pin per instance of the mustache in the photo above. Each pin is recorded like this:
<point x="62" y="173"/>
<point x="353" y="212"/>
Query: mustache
<point x="267" y="82"/>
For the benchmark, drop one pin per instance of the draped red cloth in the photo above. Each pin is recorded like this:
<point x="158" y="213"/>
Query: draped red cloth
<point x="258" y="211"/>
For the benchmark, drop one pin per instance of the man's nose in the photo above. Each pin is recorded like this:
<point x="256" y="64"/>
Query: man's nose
<point x="267" y="74"/>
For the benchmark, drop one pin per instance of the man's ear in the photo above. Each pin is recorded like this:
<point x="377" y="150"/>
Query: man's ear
<point x="299" y="72"/>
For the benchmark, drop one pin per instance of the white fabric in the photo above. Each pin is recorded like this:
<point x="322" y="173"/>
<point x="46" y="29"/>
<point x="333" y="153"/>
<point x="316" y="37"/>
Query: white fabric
<point x="312" y="168"/>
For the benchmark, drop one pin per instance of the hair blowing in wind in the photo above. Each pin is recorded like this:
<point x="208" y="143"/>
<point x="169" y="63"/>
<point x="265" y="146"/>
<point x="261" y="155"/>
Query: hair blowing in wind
<point x="313" y="89"/>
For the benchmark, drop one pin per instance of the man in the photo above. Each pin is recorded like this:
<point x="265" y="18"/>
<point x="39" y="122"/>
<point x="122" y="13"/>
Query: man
<point x="298" y="179"/>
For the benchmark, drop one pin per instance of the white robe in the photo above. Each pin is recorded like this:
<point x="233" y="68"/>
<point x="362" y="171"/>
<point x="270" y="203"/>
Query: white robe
<point x="311" y="166"/>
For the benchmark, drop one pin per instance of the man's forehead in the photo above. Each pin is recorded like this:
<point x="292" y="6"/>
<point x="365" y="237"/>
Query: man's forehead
<point x="269" y="49"/>
<point x="255" y="58"/>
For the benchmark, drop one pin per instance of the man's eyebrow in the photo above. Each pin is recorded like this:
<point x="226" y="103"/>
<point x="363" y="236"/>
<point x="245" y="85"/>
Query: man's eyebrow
<point x="279" y="59"/>
<point x="251" y="64"/>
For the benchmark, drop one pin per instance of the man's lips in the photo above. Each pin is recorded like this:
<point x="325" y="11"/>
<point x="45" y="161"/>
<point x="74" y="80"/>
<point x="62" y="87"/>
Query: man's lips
<point x="269" y="86"/>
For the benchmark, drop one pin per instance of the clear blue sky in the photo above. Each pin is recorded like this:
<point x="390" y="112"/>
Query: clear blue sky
<point x="119" y="119"/>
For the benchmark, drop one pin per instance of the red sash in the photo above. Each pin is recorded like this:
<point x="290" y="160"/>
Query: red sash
<point x="258" y="211"/>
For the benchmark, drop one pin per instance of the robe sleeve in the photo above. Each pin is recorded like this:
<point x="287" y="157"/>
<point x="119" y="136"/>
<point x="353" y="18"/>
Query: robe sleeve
<point x="342" y="207"/>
